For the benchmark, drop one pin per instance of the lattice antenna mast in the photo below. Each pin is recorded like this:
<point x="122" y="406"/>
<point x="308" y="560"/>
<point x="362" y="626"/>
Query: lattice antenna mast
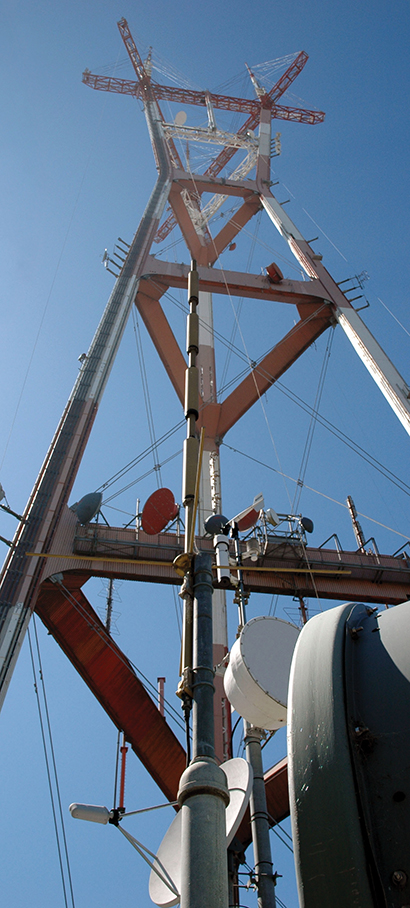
<point x="147" y="92"/>
<point x="146" y="87"/>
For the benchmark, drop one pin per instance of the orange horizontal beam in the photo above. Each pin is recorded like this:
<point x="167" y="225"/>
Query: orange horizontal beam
<point x="234" y="283"/>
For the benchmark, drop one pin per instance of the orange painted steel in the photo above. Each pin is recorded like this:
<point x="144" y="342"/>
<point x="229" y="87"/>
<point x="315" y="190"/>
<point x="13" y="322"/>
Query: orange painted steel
<point x="69" y="617"/>
<point x="75" y="626"/>
<point x="316" y="316"/>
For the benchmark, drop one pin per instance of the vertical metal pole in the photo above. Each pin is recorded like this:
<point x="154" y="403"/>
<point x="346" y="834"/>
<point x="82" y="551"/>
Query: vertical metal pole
<point x="259" y="820"/>
<point x="258" y="808"/>
<point x="203" y="793"/>
<point x="124" y="750"/>
<point x="210" y="502"/>
<point x="108" y="614"/>
<point x="161" y="688"/>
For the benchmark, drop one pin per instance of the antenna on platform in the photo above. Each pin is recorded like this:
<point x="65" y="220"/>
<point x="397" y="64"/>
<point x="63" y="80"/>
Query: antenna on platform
<point x="88" y="506"/>
<point x="158" y="511"/>
<point x="257" y="677"/>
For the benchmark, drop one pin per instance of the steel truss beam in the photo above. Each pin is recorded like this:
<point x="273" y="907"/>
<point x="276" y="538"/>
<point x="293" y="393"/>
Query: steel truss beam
<point x="45" y="544"/>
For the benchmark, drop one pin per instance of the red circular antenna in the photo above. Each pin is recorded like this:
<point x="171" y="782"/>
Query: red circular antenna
<point x="158" y="511"/>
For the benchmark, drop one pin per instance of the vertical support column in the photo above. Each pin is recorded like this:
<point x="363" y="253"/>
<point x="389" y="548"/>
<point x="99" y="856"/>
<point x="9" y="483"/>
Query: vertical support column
<point x="161" y="695"/>
<point x="210" y="503"/>
<point x="258" y="808"/>
<point x="203" y="793"/>
<point x="259" y="820"/>
<point x="263" y="164"/>
<point x="21" y="575"/>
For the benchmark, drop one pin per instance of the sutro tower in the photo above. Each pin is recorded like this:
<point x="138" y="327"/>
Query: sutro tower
<point x="31" y="579"/>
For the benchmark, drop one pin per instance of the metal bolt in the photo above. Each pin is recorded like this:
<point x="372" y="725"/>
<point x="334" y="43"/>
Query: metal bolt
<point x="399" y="879"/>
<point x="354" y="632"/>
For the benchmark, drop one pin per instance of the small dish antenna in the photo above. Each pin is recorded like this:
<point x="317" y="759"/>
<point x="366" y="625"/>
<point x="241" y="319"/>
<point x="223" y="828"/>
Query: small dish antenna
<point x="168" y="860"/>
<point x="159" y="509"/>
<point x="216" y="524"/>
<point x="87" y="507"/>
<point x="257" y="677"/>
<point x="247" y="518"/>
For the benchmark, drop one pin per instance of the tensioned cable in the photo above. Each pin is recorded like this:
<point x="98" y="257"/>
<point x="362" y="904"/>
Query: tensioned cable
<point x="312" y="425"/>
<point x="311" y="489"/>
<point x="393" y="316"/>
<point x="154" y="863"/>
<point x="178" y="612"/>
<point x="240" y="303"/>
<point x="144" y="476"/>
<point x="325" y="234"/>
<point x="280" y="902"/>
<point x="291" y="264"/>
<point x="147" y="398"/>
<point x="341" y="436"/>
<point x="354" y="446"/>
<point x="54" y="769"/>
<point x="246" y="351"/>
<point x="137" y="460"/>
<point x="346" y="440"/>
<point x="123" y="658"/>
<point x="53" y="281"/>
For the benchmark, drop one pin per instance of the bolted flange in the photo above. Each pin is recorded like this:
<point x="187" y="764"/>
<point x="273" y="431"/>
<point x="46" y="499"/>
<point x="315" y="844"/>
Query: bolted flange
<point x="203" y="777"/>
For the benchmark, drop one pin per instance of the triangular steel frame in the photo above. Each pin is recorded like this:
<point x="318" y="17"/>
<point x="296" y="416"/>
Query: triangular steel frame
<point x="41" y="572"/>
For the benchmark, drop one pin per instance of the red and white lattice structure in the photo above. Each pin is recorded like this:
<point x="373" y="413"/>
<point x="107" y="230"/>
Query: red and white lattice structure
<point x="52" y="557"/>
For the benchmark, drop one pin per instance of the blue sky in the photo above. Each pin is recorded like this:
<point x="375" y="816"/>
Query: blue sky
<point x="77" y="169"/>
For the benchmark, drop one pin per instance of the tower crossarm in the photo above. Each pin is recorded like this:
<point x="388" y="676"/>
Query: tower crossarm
<point x="298" y="115"/>
<point x="109" y="83"/>
<point x="145" y="87"/>
<point x="186" y="96"/>
<point x="132" y="51"/>
<point x="288" y="77"/>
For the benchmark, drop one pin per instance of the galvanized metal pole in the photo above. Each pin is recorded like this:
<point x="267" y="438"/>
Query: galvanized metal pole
<point x="265" y="880"/>
<point x="203" y="793"/>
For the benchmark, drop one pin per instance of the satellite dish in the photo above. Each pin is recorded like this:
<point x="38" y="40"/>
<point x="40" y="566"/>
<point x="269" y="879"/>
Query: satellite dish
<point x="180" y="118"/>
<point x="272" y="517"/>
<point x="168" y="860"/>
<point x="247" y="518"/>
<point x="307" y="524"/>
<point x="88" y="506"/>
<point x="240" y="780"/>
<point x="158" y="511"/>
<point x="256" y="680"/>
<point x="215" y="524"/>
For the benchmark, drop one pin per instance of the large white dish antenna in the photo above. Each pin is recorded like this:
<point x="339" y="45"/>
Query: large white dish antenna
<point x="168" y="860"/>
<point x="256" y="680"/>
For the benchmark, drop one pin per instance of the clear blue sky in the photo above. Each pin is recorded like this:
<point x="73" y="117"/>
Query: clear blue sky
<point x="77" y="169"/>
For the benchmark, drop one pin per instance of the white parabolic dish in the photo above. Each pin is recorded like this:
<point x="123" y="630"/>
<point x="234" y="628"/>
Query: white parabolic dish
<point x="239" y="777"/>
<point x="256" y="680"/>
